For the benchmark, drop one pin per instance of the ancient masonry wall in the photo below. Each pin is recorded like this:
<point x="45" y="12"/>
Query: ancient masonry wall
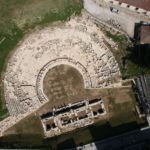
<point x="71" y="117"/>
<point x="78" y="43"/>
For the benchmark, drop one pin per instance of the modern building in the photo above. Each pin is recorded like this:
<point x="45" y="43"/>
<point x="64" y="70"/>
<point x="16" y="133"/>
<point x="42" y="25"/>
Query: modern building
<point x="141" y="6"/>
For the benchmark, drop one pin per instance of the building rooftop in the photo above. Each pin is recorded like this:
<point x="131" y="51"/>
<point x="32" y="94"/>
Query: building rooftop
<point x="145" y="34"/>
<point x="144" y="4"/>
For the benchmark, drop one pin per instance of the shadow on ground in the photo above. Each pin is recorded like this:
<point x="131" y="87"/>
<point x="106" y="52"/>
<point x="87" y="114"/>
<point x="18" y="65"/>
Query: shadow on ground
<point x="106" y="130"/>
<point x="98" y="132"/>
<point x="70" y="143"/>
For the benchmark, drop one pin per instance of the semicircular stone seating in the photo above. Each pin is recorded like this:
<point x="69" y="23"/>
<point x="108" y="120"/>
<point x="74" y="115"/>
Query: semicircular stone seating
<point x="78" y="43"/>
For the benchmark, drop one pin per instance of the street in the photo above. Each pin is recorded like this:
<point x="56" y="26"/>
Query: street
<point x="127" y="18"/>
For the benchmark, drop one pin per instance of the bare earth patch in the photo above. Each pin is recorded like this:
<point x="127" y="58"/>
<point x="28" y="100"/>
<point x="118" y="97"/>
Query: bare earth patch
<point x="63" y="82"/>
<point x="63" y="85"/>
<point x="96" y="107"/>
<point x="123" y="96"/>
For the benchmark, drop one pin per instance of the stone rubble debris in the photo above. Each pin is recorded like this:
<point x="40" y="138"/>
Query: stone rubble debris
<point x="71" y="117"/>
<point x="79" y="44"/>
<point x="114" y="23"/>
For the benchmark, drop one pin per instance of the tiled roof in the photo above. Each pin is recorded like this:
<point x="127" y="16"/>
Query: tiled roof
<point x="144" y="4"/>
<point x="145" y="34"/>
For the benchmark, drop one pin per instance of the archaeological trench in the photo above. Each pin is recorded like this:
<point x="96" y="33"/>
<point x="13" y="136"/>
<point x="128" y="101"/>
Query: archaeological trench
<point x="79" y="43"/>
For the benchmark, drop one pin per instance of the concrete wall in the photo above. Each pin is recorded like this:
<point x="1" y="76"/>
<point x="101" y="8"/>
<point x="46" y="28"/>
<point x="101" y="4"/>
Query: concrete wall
<point x="114" y="2"/>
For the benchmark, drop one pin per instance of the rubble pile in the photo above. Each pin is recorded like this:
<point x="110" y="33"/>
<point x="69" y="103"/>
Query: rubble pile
<point x="71" y="117"/>
<point x="78" y="44"/>
<point x="114" y="23"/>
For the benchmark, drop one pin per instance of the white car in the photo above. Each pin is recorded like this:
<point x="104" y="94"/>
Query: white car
<point x="115" y="10"/>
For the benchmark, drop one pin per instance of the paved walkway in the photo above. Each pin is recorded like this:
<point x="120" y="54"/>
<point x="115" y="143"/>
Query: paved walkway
<point x="127" y="18"/>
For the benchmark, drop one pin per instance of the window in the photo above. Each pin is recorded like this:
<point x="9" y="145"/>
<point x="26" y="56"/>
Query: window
<point x="136" y="8"/>
<point x="128" y="6"/>
<point x="119" y="3"/>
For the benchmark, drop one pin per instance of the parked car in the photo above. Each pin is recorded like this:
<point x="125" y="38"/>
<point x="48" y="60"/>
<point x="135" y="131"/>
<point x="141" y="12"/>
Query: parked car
<point x="144" y="23"/>
<point x="115" y="10"/>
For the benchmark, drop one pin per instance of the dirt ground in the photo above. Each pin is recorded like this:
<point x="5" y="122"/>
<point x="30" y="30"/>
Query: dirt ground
<point x="123" y="95"/>
<point x="74" y="117"/>
<point x="65" y="118"/>
<point x="63" y="85"/>
<point x="82" y="114"/>
<point x="50" y="122"/>
<point x="96" y="107"/>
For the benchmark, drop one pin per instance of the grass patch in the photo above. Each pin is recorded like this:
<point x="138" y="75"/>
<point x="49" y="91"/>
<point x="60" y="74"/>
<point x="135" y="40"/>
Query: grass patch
<point x="96" y="24"/>
<point x="131" y="69"/>
<point x="6" y="47"/>
<point x="132" y="96"/>
<point x="30" y="125"/>
<point x="121" y="119"/>
<point x="18" y="16"/>
<point x="3" y="112"/>
<point x="123" y="113"/>
<point x="77" y="137"/>
<point x="120" y="107"/>
<point x="119" y="39"/>
<point x="128" y="83"/>
<point x="21" y="12"/>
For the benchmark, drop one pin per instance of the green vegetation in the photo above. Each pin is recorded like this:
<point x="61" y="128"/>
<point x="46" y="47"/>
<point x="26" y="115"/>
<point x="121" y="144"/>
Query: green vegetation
<point x="17" y="17"/>
<point x="133" y="97"/>
<point x="131" y="70"/>
<point x="124" y="112"/>
<point x="142" y="52"/>
<point x="121" y="118"/>
<point x="127" y="83"/>
<point x="137" y="42"/>
<point x="27" y="13"/>
<point x="26" y="126"/>
<point x="96" y="24"/>
<point x="120" y="107"/>
<point x="3" y="112"/>
<point x="119" y="39"/>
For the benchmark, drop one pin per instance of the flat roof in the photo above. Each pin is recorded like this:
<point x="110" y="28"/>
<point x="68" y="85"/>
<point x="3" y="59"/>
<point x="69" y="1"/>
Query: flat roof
<point x="144" y="4"/>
